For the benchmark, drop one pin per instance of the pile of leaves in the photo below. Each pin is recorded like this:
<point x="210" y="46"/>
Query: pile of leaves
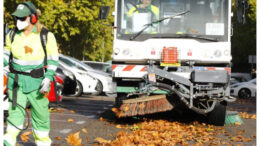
<point x="245" y="115"/>
<point x="162" y="132"/>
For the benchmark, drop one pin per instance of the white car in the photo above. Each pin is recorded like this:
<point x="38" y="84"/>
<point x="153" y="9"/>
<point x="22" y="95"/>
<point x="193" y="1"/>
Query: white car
<point x="85" y="82"/>
<point x="244" y="89"/>
<point x="101" y="81"/>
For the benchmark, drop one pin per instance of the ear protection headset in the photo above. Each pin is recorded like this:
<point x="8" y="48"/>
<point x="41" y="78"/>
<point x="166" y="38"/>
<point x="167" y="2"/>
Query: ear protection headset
<point x="33" y="16"/>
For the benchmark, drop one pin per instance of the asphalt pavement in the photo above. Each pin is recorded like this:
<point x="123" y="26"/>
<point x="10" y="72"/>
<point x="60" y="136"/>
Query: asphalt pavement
<point x="83" y="114"/>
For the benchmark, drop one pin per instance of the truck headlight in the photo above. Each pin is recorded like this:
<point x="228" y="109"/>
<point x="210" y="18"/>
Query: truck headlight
<point x="217" y="53"/>
<point x="226" y="52"/>
<point x="126" y="51"/>
<point x="116" y="51"/>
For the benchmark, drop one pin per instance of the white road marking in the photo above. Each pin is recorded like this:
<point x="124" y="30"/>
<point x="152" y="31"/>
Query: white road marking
<point x="92" y="116"/>
<point x="64" y="131"/>
<point x="80" y="122"/>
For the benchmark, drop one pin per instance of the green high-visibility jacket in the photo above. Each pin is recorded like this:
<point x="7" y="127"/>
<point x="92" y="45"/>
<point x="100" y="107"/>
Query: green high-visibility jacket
<point x="28" y="54"/>
<point x="152" y="8"/>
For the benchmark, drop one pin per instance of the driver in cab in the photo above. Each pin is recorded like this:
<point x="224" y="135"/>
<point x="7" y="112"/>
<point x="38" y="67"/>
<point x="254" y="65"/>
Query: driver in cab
<point x="146" y="6"/>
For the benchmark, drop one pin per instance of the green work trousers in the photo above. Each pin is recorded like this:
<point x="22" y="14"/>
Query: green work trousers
<point x="40" y="117"/>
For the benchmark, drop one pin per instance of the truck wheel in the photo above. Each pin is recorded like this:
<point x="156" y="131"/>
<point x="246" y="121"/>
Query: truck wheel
<point x="79" y="89"/>
<point x="218" y="115"/>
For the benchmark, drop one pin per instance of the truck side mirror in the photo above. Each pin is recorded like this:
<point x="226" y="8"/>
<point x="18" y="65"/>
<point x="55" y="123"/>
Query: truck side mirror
<point x="103" y="12"/>
<point x="241" y="5"/>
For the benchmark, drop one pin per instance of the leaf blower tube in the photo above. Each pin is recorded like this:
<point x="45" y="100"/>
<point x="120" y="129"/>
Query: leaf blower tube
<point x="26" y="113"/>
<point x="182" y="98"/>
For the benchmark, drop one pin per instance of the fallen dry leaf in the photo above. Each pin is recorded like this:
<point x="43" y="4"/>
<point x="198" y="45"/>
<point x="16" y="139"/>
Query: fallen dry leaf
<point x="253" y="116"/>
<point x="101" y="119"/>
<point x="102" y="141"/>
<point x="58" y="138"/>
<point x="238" y="124"/>
<point x="70" y="120"/>
<point x="60" y="110"/>
<point x="84" y="130"/>
<point x="25" y="136"/>
<point x="245" y="115"/>
<point x="74" y="139"/>
<point x="111" y="135"/>
<point x="52" y="110"/>
<point x="163" y="132"/>
<point x="115" y="110"/>
<point x="45" y="94"/>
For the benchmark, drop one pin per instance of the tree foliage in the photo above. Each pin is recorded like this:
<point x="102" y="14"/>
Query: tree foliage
<point x="75" y="24"/>
<point x="244" y="38"/>
<point x="81" y="34"/>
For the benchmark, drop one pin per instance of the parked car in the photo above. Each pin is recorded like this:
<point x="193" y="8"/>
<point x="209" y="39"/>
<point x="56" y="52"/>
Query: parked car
<point x="242" y="77"/>
<point x="69" y="81"/>
<point x="101" y="66"/>
<point x="84" y="82"/>
<point x="103" y="80"/>
<point x="234" y="80"/>
<point x="244" y="89"/>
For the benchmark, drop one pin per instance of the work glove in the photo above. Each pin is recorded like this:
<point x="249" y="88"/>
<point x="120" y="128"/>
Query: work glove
<point x="45" y="85"/>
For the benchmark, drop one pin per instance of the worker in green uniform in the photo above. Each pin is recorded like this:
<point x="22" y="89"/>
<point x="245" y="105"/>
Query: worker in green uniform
<point x="32" y="68"/>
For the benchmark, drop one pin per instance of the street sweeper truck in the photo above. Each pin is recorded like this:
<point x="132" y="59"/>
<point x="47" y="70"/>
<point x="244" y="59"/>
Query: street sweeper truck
<point x="172" y="54"/>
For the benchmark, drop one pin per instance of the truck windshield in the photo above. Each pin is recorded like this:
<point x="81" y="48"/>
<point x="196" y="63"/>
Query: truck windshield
<point x="206" y="19"/>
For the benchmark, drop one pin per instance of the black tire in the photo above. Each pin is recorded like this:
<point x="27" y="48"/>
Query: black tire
<point x="79" y="89"/>
<point x="218" y="115"/>
<point x="244" y="93"/>
<point x="99" y="88"/>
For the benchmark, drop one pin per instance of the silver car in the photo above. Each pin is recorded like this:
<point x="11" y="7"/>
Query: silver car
<point x="104" y="83"/>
